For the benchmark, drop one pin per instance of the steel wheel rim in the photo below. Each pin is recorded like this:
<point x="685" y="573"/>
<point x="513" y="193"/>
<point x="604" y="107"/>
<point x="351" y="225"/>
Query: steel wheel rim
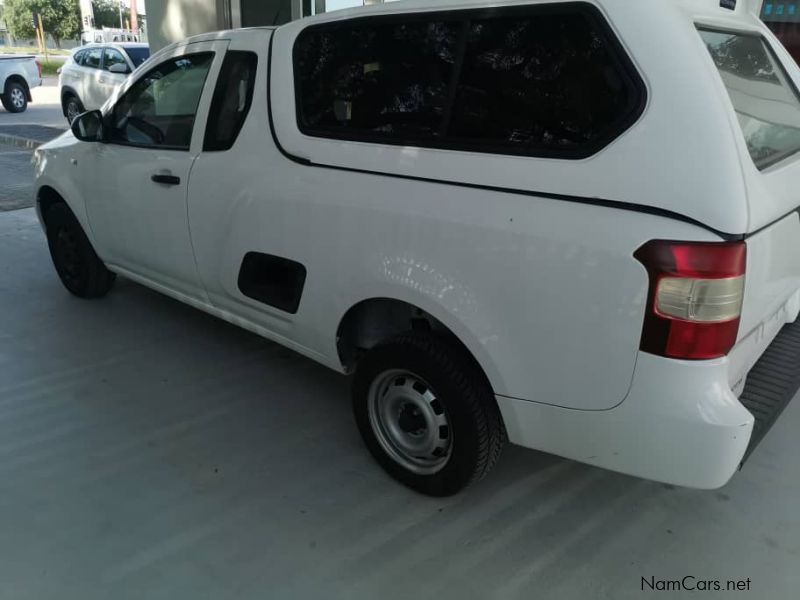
<point x="17" y="98"/>
<point x="410" y="422"/>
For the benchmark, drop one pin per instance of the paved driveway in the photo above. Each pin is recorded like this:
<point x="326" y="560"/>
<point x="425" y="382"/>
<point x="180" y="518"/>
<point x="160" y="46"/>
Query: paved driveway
<point x="44" y="110"/>
<point x="150" y="451"/>
<point x="16" y="177"/>
<point x="40" y="123"/>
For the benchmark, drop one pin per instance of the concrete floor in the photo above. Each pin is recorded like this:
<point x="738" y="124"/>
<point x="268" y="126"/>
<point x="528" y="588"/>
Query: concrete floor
<point x="150" y="451"/>
<point x="16" y="177"/>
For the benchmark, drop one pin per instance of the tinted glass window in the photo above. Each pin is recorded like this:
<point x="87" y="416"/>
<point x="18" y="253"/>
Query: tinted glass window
<point x="544" y="81"/>
<point x="764" y="98"/>
<point x="231" y="102"/>
<point x="389" y="81"/>
<point x="138" y="55"/>
<point x="113" y="57"/>
<point x="93" y="58"/>
<point x="78" y="57"/>
<point x="160" y="108"/>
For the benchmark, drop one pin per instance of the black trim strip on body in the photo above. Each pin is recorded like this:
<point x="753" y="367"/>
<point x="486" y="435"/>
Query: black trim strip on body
<point x="620" y="205"/>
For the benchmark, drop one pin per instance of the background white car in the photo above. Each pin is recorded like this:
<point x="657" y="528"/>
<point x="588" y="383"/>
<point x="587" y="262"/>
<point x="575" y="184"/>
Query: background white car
<point x="93" y="72"/>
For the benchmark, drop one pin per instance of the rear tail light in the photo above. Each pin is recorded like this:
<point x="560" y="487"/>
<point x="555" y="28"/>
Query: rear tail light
<point x="39" y="67"/>
<point x="695" y="297"/>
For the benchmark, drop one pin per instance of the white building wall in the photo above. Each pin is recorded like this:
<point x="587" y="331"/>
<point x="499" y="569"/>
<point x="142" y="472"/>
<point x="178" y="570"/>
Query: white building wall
<point x="172" y="20"/>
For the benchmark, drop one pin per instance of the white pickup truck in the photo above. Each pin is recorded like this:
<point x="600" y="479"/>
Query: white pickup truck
<point x="572" y="225"/>
<point x="18" y="74"/>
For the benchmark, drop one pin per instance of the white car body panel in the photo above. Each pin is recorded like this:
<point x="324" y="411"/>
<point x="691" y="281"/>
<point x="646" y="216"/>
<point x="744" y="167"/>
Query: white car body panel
<point x="545" y="293"/>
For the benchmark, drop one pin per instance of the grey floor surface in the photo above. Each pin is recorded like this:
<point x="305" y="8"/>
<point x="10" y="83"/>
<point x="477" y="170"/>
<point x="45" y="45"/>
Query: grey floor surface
<point x="150" y="451"/>
<point x="16" y="177"/>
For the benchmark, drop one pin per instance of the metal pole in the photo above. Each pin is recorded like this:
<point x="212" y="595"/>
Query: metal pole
<point x="121" y="24"/>
<point x="134" y="16"/>
<point x="44" y="39"/>
<point x="38" y="38"/>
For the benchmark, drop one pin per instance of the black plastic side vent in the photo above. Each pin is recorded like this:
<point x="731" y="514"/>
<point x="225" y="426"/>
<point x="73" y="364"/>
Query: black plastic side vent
<point x="772" y="382"/>
<point x="273" y="280"/>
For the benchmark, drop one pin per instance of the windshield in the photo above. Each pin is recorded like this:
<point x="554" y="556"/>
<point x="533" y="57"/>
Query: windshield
<point x="138" y="55"/>
<point x="763" y="96"/>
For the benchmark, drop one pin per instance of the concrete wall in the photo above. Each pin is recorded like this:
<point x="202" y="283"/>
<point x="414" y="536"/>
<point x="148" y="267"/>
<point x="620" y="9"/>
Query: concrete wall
<point x="173" y="20"/>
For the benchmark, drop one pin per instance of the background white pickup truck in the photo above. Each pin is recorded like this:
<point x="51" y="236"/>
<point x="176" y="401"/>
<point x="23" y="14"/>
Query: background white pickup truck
<point x="18" y="74"/>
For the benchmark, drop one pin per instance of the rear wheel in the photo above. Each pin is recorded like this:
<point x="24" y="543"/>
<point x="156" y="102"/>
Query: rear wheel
<point x="78" y="266"/>
<point x="72" y="107"/>
<point x="427" y="414"/>
<point x="15" y="99"/>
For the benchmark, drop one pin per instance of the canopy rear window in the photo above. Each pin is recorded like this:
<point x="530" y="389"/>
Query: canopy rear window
<point x="764" y="98"/>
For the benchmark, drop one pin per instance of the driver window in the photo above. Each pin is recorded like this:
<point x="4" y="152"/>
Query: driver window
<point x="113" y="57"/>
<point x="160" y="108"/>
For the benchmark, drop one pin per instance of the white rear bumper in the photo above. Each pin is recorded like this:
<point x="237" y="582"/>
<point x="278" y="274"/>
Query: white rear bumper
<point x="680" y="424"/>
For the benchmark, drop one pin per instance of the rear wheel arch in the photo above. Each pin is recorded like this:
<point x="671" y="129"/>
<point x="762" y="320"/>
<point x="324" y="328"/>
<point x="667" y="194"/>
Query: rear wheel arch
<point x="373" y="321"/>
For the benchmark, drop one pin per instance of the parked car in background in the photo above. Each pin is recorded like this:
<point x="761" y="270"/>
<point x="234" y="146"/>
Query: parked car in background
<point x="18" y="74"/>
<point x="92" y="73"/>
<point x="520" y="220"/>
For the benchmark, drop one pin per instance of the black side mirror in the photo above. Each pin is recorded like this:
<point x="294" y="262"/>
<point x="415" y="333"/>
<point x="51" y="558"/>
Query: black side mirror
<point x="88" y="126"/>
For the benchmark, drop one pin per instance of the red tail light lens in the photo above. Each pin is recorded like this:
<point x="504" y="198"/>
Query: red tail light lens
<point x="695" y="297"/>
<point x="39" y="66"/>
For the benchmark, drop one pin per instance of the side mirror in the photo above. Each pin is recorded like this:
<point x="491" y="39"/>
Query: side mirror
<point x="88" y="127"/>
<point x="121" y="68"/>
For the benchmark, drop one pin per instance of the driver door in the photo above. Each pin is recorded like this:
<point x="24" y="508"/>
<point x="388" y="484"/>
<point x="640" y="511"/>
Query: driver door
<point x="137" y="180"/>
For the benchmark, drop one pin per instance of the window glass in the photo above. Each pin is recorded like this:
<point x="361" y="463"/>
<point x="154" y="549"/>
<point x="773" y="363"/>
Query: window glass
<point x="160" y="108"/>
<point x="379" y="81"/>
<point x="138" y="55"/>
<point x="93" y="58"/>
<point x="113" y="57"/>
<point x="78" y="57"/>
<point x="545" y="81"/>
<point x="231" y="102"/>
<point x="764" y="98"/>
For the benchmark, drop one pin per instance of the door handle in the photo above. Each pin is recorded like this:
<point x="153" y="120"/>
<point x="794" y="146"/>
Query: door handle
<point x="165" y="179"/>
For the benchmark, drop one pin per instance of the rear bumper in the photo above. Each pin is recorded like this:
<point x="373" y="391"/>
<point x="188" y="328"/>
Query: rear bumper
<point x="772" y="382"/>
<point x="680" y="424"/>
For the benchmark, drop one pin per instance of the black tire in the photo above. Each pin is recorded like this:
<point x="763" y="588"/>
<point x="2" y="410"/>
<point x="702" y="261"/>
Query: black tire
<point x="15" y="97"/>
<point x="72" y="107"/>
<point x="476" y="434"/>
<point x="77" y="264"/>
